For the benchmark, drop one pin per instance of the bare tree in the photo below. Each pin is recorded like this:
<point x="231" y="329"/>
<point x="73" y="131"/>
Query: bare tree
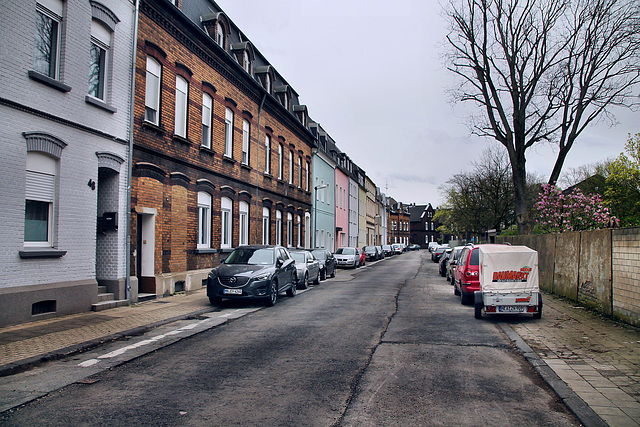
<point x="543" y="70"/>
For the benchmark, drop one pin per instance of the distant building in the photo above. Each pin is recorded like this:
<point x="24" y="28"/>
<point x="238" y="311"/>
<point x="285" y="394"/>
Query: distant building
<point x="423" y="226"/>
<point x="398" y="221"/>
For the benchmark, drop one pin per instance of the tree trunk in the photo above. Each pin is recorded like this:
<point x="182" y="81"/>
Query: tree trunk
<point x="519" y="186"/>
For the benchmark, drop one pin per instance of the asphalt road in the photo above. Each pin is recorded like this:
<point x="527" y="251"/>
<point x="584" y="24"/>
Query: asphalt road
<point x="388" y="344"/>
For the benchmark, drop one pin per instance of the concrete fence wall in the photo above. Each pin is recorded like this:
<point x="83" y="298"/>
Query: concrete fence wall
<point x="598" y="269"/>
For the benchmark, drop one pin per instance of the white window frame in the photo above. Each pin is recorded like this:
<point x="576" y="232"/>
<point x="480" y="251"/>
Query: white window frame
<point x="246" y="134"/>
<point x="308" y="177"/>
<point x="243" y="232"/>
<point x="299" y="226"/>
<point x="220" y="34"/>
<point x="101" y="39"/>
<point x="182" y="110"/>
<point x="299" y="172"/>
<point x="207" y="111"/>
<point x="267" y="154"/>
<point x="152" y="91"/>
<point x="228" y="133"/>
<point x="289" y="230"/>
<point x="41" y="182"/>
<point x="291" y="167"/>
<point x="280" y="161"/>
<point x="52" y="10"/>
<point x="226" y="223"/>
<point x="266" y="214"/>
<point x="204" y="220"/>
<point x="278" y="227"/>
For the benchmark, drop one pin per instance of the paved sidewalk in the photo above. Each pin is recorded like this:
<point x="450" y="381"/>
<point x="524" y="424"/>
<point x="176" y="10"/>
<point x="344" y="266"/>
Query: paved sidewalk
<point x="599" y="360"/>
<point x="24" y="345"/>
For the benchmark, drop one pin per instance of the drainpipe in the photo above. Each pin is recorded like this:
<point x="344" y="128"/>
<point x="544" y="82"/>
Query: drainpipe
<point x="134" y="49"/>
<point x="258" y="213"/>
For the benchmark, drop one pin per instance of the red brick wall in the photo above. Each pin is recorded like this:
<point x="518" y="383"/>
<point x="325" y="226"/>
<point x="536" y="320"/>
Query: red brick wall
<point x="172" y="188"/>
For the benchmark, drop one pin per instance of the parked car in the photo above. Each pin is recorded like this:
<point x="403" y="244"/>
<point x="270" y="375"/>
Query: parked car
<point x="361" y="256"/>
<point x="466" y="276"/>
<point x="327" y="262"/>
<point x="380" y="251"/>
<point x="387" y="250"/>
<point x="437" y="253"/>
<point x="346" y="257"/>
<point x="253" y="272"/>
<point x="444" y="262"/>
<point x="307" y="267"/>
<point x="432" y="245"/>
<point x="453" y="260"/>
<point x="414" y="247"/>
<point x="371" y="253"/>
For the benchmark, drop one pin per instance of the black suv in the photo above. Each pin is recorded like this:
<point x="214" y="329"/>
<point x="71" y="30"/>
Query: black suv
<point x="253" y="272"/>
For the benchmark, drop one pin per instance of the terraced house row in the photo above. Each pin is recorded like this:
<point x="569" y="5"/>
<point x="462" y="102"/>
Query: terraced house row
<point x="143" y="139"/>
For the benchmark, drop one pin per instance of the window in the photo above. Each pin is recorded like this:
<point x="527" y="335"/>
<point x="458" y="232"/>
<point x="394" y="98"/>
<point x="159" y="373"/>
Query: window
<point x="47" y="46"/>
<point x="220" y="34"/>
<point x="245" y="142"/>
<point x="267" y="154"/>
<point x="182" y="89"/>
<point x="299" y="172"/>
<point x="207" y="108"/>
<point x="228" y="133"/>
<point x="265" y="226"/>
<point x="226" y="209"/>
<point x="98" y="60"/>
<point x="280" y="161"/>
<point x="244" y="223"/>
<point x="278" y="227"/>
<point x="246" y="64"/>
<point x="299" y="222"/>
<point x="39" y="199"/>
<point x="291" y="167"/>
<point x="308" y="176"/>
<point x="289" y="230"/>
<point x="204" y="220"/>
<point x="268" y="83"/>
<point x="152" y="91"/>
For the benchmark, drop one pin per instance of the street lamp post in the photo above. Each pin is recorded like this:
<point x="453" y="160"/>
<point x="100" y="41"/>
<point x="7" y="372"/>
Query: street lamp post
<point x="315" y="212"/>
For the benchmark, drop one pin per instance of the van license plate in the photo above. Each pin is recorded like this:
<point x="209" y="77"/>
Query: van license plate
<point x="511" y="308"/>
<point x="232" y="291"/>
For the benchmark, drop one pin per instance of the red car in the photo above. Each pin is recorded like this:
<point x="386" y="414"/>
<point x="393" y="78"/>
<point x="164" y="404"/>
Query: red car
<point x="363" y="256"/>
<point x="466" y="276"/>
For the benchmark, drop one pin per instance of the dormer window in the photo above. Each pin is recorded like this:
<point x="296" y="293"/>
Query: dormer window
<point x="246" y="64"/>
<point x="267" y="83"/>
<point x="244" y="55"/>
<point x="219" y="34"/>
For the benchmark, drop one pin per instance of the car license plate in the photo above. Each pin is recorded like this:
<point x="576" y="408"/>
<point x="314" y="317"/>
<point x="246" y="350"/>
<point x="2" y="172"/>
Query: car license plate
<point x="232" y="291"/>
<point x="511" y="308"/>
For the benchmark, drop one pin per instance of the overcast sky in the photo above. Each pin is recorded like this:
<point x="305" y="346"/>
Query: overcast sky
<point x="372" y="75"/>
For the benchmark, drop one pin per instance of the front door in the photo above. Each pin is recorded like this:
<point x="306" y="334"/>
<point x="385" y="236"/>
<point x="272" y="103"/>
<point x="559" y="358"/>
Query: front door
<point x="146" y="253"/>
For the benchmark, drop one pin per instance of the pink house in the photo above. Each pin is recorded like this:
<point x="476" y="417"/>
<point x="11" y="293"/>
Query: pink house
<point x="342" y="208"/>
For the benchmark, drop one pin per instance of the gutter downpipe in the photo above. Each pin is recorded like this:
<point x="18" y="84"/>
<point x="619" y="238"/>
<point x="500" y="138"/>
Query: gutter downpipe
<point x="134" y="47"/>
<point x="258" y="215"/>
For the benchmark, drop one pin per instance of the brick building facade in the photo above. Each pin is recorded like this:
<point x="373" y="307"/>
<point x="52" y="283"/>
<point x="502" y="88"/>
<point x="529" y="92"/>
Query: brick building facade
<point x="222" y="150"/>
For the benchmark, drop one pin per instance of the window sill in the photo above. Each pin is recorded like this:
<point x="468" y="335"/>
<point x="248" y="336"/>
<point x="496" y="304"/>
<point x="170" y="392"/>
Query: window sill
<point x="58" y="85"/>
<point x="207" y="150"/>
<point x="225" y="250"/>
<point x="292" y="185"/>
<point x="206" y="251"/>
<point x="181" y="139"/>
<point x="268" y="176"/>
<point x="154" y="127"/>
<point x="100" y="104"/>
<point x="245" y="166"/>
<point x="41" y="253"/>
<point x="229" y="159"/>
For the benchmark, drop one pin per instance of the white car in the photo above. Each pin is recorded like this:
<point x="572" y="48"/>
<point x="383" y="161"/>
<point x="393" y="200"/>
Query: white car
<point x="307" y="268"/>
<point x="347" y="257"/>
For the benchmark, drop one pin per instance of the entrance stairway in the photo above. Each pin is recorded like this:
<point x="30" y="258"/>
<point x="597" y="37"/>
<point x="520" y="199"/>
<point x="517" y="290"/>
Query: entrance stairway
<point x="106" y="301"/>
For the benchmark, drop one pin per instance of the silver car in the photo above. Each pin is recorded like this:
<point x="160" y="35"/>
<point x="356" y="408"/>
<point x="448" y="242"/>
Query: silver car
<point x="347" y="257"/>
<point x="308" y="268"/>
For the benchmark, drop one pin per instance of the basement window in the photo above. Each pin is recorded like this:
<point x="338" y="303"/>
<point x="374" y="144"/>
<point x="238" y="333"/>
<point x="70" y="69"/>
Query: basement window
<point x="43" y="307"/>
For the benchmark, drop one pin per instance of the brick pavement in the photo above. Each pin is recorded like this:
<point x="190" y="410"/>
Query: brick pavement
<point x="597" y="358"/>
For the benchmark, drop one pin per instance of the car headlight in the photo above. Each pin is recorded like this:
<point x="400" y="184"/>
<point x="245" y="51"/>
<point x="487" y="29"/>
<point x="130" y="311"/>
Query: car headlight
<point x="262" y="277"/>
<point x="212" y="274"/>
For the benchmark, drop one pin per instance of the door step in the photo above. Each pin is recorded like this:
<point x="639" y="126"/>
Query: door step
<point x="105" y="305"/>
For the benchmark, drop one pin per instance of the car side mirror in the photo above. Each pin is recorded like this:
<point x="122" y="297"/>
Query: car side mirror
<point x="279" y="263"/>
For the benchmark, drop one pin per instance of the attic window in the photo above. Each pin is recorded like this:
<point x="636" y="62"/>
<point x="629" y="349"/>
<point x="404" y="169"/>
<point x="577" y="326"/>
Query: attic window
<point x="220" y="34"/>
<point x="246" y="63"/>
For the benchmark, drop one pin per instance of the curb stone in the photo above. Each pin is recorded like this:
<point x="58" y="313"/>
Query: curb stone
<point x="580" y="409"/>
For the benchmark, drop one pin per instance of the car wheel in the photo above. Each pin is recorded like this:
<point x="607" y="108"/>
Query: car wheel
<point x="317" y="281"/>
<point x="538" y="315"/>
<point x="293" y="290"/>
<point x="305" y="282"/>
<point x="456" y="292"/>
<point x="215" y="300"/>
<point x="477" y="310"/>
<point x="273" y="294"/>
<point x="465" y="298"/>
